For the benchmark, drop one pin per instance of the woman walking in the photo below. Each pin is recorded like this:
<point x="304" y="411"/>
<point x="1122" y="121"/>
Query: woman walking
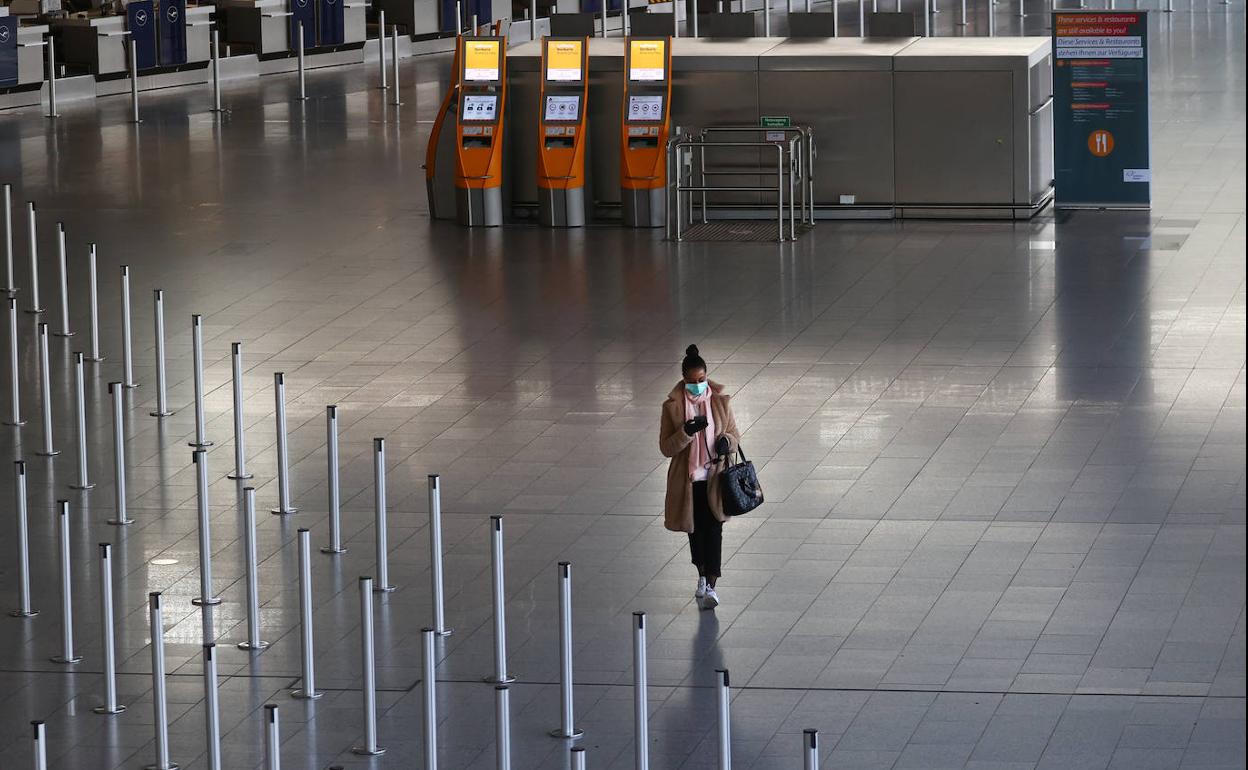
<point x="696" y="430"/>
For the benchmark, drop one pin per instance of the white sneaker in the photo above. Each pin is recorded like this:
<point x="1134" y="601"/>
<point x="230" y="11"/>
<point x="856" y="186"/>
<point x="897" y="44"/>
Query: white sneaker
<point x="701" y="590"/>
<point x="711" y="600"/>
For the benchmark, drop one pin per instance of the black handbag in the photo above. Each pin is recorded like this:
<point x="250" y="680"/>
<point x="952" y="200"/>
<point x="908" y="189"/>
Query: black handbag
<point x="739" y="489"/>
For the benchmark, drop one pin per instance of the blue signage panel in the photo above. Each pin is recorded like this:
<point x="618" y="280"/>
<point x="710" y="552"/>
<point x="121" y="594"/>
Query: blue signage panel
<point x="302" y="12"/>
<point x="483" y="9"/>
<point x="142" y="25"/>
<point x="333" y="28"/>
<point x="8" y="51"/>
<point x="1100" y="109"/>
<point x="595" y="6"/>
<point x="172" y="32"/>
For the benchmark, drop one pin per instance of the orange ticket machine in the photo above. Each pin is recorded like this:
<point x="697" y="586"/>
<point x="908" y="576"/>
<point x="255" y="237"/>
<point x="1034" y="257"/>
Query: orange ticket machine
<point x="647" y="121"/>
<point x="562" y="133"/>
<point x="479" y="131"/>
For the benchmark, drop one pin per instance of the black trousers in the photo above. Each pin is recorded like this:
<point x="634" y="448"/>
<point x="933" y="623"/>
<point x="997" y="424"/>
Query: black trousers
<point x="706" y="541"/>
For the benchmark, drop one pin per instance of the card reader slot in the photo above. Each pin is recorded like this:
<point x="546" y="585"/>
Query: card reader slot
<point x="560" y="142"/>
<point x="478" y="142"/>
<point x="642" y="142"/>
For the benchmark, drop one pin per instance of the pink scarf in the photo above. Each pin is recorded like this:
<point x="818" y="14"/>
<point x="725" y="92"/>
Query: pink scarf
<point x="700" y="452"/>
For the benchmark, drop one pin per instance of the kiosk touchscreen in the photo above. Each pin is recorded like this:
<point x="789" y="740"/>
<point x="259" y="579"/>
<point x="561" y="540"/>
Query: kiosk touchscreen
<point x="643" y="135"/>
<point x="479" y="131"/>
<point x="561" y="150"/>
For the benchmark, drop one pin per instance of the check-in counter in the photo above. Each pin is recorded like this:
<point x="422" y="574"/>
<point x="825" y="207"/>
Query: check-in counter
<point x="30" y="52"/>
<point x="199" y="33"/>
<point x="259" y="26"/>
<point x="97" y="43"/>
<point x="974" y="126"/>
<point x="843" y="89"/>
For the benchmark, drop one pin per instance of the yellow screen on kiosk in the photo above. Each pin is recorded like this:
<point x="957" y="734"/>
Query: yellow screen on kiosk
<point x="481" y="61"/>
<point x="563" y="60"/>
<point x="646" y="59"/>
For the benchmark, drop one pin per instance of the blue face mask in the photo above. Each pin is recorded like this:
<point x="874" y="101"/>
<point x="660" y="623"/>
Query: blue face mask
<point x="695" y="388"/>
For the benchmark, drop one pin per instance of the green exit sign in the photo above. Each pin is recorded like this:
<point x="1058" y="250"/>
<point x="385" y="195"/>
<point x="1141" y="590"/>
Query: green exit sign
<point x="775" y="121"/>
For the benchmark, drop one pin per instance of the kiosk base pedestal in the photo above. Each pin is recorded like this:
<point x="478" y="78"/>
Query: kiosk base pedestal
<point x="476" y="207"/>
<point x="561" y="208"/>
<point x="644" y="208"/>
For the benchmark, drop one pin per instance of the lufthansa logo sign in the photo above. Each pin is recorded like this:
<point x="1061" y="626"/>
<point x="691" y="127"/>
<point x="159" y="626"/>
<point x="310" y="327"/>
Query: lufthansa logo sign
<point x="172" y="13"/>
<point x="4" y="34"/>
<point x="140" y="18"/>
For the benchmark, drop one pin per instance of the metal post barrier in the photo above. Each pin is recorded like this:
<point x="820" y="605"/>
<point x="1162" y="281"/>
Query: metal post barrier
<point x="108" y="647"/>
<point x="624" y="15"/>
<point x="162" y="390"/>
<point x="578" y="758"/>
<point x="1022" y="11"/>
<point x="134" y="84"/>
<point x="206" y="597"/>
<point x="39" y="744"/>
<point x="240" y="440"/>
<point x="67" y="606"/>
<point x="32" y="237"/>
<point x="23" y="544"/>
<point x="475" y="25"/>
<point x="459" y="17"/>
<point x="430" y="691"/>
<point x="604" y="18"/>
<point x="45" y="394"/>
<point x="927" y="18"/>
<point x="94" y="288"/>
<point x="305" y="618"/>
<point x="725" y="719"/>
<point x="160" y="708"/>
<point x="15" y="384"/>
<point x="216" y="71"/>
<point x="862" y="18"/>
<point x="394" y="62"/>
<point x="693" y="20"/>
<point x="381" y="44"/>
<point x="369" y="689"/>
<point x="303" y="92"/>
<point x="63" y="275"/>
<point x="119" y="457"/>
<point x="766" y="18"/>
<point x="272" y="738"/>
<point x="333" y="495"/>
<point x="127" y="349"/>
<point x="502" y="727"/>
<point x="10" y="281"/>
<point x="379" y="509"/>
<point x="641" y="706"/>
<point x="962" y="15"/>
<point x="197" y="365"/>
<point x="254" y="642"/>
<point x="567" y="727"/>
<point x="435" y="554"/>
<point x="992" y="18"/>
<point x="283" y="456"/>
<point x="810" y="749"/>
<point x="500" y="675"/>
<point x="80" y="417"/>
<point x="212" y="707"/>
<point x="532" y="19"/>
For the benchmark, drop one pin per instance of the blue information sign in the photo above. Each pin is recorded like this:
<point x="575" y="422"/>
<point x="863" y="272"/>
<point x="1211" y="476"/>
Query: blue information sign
<point x="172" y="32"/>
<point x="8" y="51"/>
<point x="141" y="23"/>
<point x="333" y="23"/>
<point x="302" y="12"/>
<point x="1100" y="115"/>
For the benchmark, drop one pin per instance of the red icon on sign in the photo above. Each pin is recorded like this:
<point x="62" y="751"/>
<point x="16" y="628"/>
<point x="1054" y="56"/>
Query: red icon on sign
<point x="1100" y="143"/>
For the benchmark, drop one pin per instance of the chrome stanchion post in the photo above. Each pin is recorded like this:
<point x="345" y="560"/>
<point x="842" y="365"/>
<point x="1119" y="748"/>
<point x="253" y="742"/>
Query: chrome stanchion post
<point x="23" y="544"/>
<point x="333" y="496"/>
<point x="52" y="113"/>
<point x="394" y="62"/>
<point x="254" y="642"/>
<point x="272" y="738"/>
<point x="80" y="417"/>
<point x="766" y="18"/>
<point x="206" y="597"/>
<point x="160" y="709"/>
<point x="962" y="16"/>
<point x="15" y="383"/>
<point x="32" y="237"/>
<point x="379" y="507"/>
<point x="429" y="687"/>
<point x="502" y="722"/>
<point x="197" y="364"/>
<point x="39" y="744"/>
<point x="676" y="20"/>
<point x="93" y="286"/>
<point x="862" y="18"/>
<point x="435" y="554"/>
<point x="67" y="606"/>
<point x="1022" y="10"/>
<point x="134" y="84"/>
<point x="10" y="281"/>
<point x="305" y="617"/>
<point x="240" y="439"/>
<point x="119" y="456"/>
<point x="810" y="749"/>
<point x="45" y="395"/>
<point x="927" y="18"/>
<point x="459" y="17"/>
<point x="578" y="758"/>
<point x="212" y="708"/>
<point x="303" y="93"/>
<point x="641" y="706"/>
<point x="216" y="71"/>
<point x="108" y="646"/>
<point x="283" y="457"/>
<point x="725" y="719"/>
<point x="381" y="45"/>
<point x="127" y="348"/>
<point x="567" y="727"/>
<point x="369" y="688"/>
<point x="500" y="675"/>
<point x="158" y="313"/>
<point x="63" y="275"/>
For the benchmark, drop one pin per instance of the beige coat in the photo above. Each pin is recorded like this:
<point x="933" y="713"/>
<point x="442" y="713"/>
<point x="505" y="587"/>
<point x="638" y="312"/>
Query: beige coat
<point x="673" y="443"/>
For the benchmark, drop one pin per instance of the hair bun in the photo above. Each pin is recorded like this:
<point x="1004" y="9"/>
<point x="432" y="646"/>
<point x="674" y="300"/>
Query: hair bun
<point x="692" y="351"/>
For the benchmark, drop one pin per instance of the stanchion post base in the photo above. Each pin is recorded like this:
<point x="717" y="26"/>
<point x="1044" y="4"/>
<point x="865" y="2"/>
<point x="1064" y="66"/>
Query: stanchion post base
<point x="240" y="477"/>
<point x="283" y="512"/>
<point x="367" y="752"/>
<point x="491" y="679"/>
<point x="120" y="522"/>
<point x="62" y="334"/>
<point x="170" y="766"/>
<point x="82" y="486"/>
<point x="305" y="695"/>
<point x="17" y="424"/>
<point x="23" y="613"/>
<point x="130" y="385"/>
<point x="106" y="710"/>
<point x="35" y="310"/>
<point x="332" y="550"/>
<point x="385" y="589"/>
<point x="53" y="453"/>
<point x="166" y="413"/>
<point x="559" y="733"/>
<point x="63" y="659"/>
<point x="211" y="601"/>
<point x="198" y="444"/>
<point x="260" y="645"/>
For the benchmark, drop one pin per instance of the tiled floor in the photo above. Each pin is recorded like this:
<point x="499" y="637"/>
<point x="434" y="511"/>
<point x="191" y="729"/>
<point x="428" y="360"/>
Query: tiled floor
<point x="1004" y="462"/>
